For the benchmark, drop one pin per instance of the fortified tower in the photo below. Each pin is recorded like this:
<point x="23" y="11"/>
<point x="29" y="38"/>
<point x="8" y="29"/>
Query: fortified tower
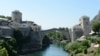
<point x="17" y="16"/>
<point x="85" y="25"/>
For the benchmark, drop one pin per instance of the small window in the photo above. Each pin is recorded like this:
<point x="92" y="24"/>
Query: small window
<point x="87" y="23"/>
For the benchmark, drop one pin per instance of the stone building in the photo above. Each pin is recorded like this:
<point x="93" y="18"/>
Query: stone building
<point x="85" y="25"/>
<point x="6" y="31"/>
<point x="31" y="29"/>
<point x="4" y="22"/>
<point x="83" y="28"/>
<point x="76" y="32"/>
<point x="17" y="16"/>
<point x="27" y="28"/>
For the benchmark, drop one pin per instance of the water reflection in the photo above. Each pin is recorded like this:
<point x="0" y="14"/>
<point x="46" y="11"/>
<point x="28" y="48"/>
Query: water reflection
<point x="52" y="50"/>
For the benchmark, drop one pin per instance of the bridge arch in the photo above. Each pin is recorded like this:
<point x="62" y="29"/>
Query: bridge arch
<point x="64" y="32"/>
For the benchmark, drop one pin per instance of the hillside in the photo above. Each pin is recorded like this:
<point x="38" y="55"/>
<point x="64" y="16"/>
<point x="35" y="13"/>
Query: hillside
<point x="96" y="18"/>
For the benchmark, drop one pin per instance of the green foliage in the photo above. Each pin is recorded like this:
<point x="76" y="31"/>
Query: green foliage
<point x="86" y="43"/>
<point x="98" y="39"/>
<point x="7" y="17"/>
<point x="96" y="26"/>
<point x="97" y="53"/>
<point x="81" y="47"/>
<point x="78" y="47"/>
<point x="12" y="42"/>
<point x="10" y="45"/>
<point x="3" y="51"/>
<point x="2" y="16"/>
<point x="74" y="47"/>
<point x="96" y="23"/>
<point x="62" y="28"/>
<point x="56" y="35"/>
<point x="94" y="39"/>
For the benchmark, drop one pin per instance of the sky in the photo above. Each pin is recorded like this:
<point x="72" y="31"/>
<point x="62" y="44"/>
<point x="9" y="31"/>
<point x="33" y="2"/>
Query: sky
<point x="51" y="13"/>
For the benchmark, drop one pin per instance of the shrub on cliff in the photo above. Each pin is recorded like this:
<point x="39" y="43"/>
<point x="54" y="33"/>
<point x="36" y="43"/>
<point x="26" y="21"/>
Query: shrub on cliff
<point x="98" y="40"/>
<point x="74" y="47"/>
<point x="96" y="27"/>
<point x="78" y="47"/>
<point x="3" y="51"/>
<point x="86" y="43"/>
<point x="97" y="53"/>
<point x="9" y="45"/>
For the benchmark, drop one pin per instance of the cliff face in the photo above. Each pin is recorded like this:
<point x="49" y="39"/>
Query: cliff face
<point x="34" y="43"/>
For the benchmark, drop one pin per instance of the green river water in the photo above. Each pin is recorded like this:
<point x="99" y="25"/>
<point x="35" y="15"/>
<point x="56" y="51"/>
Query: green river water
<point x="52" y="50"/>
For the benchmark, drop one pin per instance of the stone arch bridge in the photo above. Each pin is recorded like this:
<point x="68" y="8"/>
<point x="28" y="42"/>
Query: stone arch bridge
<point x="64" y="32"/>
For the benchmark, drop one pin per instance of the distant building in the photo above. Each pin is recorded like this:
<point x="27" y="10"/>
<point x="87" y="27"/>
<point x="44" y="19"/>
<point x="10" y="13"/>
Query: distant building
<point x="85" y="24"/>
<point x="4" y="22"/>
<point x="6" y="31"/>
<point x="33" y="31"/>
<point x="28" y="29"/>
<point x="17" y="16"/>
<point x="83" y="28"/>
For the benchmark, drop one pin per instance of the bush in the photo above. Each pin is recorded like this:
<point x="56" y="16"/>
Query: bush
<point x="98" y="39"/>
<point x="74" y="47"/>
<point x="3" y="51"/>
<point x="78" y="47"/>
<point x="85" y="51"/>
<point x="86" y="43"/>
<point x="10" y="45"/>
<point x="96" y="27"/>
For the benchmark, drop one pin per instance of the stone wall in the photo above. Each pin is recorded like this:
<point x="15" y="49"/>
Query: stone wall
<point x="6" y="31"/>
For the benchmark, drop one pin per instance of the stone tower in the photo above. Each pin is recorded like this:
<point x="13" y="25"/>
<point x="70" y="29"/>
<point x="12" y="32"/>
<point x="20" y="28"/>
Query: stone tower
<point x="85" y="25"/>
<point x="17" y="16"/>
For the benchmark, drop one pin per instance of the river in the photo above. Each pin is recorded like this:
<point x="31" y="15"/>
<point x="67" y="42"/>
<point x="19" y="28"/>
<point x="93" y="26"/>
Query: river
<point x="52" y="50"/>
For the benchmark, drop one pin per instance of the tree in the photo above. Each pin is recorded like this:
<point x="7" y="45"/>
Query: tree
<point x="86" y="43"/>
<point x="56" y="36"/>
<point x="2" y="16"/>
<point x="9" y="17"/>
<point x="10" y="45"/>
<point x="74" y="48"/>
<point x="6" y="17"/>
<point x="96" y="27"/>
<point x="78" y="47"/>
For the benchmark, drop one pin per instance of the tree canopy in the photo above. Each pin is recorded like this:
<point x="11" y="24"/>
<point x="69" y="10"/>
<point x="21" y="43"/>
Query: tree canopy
<point x="6" y="17"/>
<point x="96" y="26"/>
<point x="95" y="23"/>
<point x="56" y="35"/>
